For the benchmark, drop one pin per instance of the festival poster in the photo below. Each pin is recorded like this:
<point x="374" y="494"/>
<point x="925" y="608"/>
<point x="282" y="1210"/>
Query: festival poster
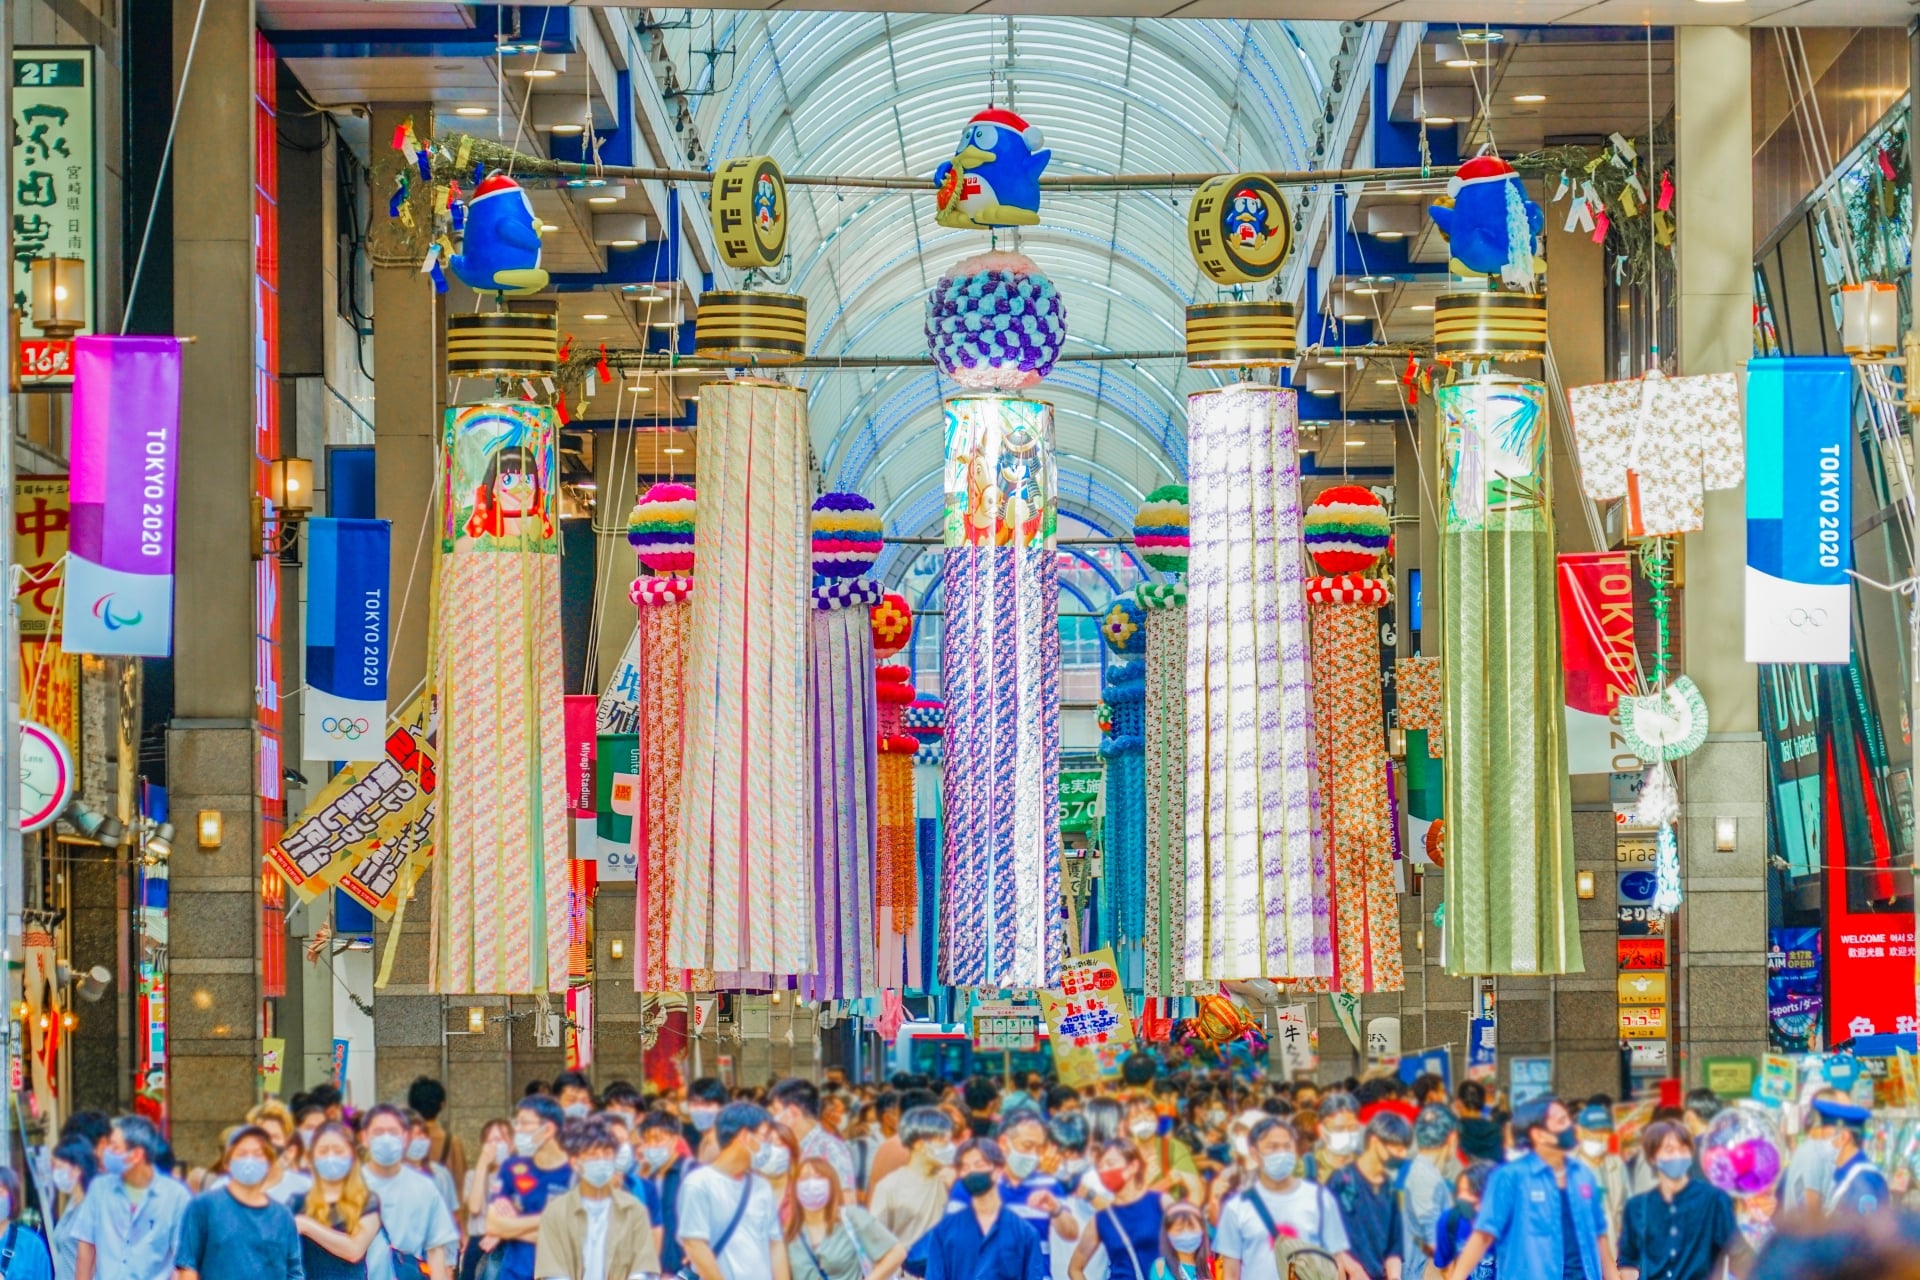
<point x="345" y="706"/>
<point x="618" y="710"/>
<point x="1088" y="1020"/>
<point x="1793" y="989"/>
<point x="1596" y="650"/>
<point x="125" y="445"/>
<point x="369" y="822"/>
<point x="580" y="708"/>
<point x="1800" y="434"/>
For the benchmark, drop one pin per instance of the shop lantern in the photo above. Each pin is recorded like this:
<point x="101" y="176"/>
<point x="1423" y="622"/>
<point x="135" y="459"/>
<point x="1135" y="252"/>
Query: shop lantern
<point x="58" y="295"/>
<point x="749" y="326"/>
<point x="1241" y="335"/>
<point x="1869" y="318"/>
<point x="749" y="212"/>
<point x="1240" y="231"/>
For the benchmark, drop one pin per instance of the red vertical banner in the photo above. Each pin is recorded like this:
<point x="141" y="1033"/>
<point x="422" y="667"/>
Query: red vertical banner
<point x="1596" y="650"/>
<point x="266" y="449"/>
<point x="580" y="710"/>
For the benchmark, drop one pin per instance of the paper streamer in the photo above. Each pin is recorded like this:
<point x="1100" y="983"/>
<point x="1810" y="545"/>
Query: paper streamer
<point x="743" y="888"/>
<point x="500" y="879"/>
<point x="1165" y="719"/>
<point x="1256" y="878"/>
<point x="1509" y="822"/>
<point x="1000" y="675"/>
<point x="665" y="609"/>
<point x="842" y="719"/>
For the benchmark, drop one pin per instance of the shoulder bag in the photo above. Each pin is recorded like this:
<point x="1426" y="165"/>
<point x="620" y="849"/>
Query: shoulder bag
<point x="688" y="1272"/>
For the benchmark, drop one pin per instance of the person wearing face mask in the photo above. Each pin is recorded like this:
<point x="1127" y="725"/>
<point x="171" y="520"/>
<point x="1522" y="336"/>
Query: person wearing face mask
<point x="1029" y="1190"/>
<point x="778" y="1157"/>
<point x="419" y="1157"/>
<point x="1365" y="1191"/>
<point x="1128" y="1223"/>
<point x="1455" y="1227"/>
<point x="340" y="1217"/>
<point x="1684" y="1227"/>
<point x="892" y="1154"/>
<point x="236" y="1232"/>
<point x="1169" y="1163"/>
<point x="595" y="1231"/>
<point x="1279" y="1202"/>
<point x="1542" y="1216"/>
<point x="1211" y="1128"/>
<point x="729" y="1217"/>
<point x="1184" y="1254"/>
<point x="661" y="1162"/>
<point x="23" y="1248"/>
<point x="427" y="1098"/>
<point x="1809" y="1180"/>
<point x="1242" y="1171"/>
<point x="418" y="1236"/>
<point x="496" y="1145"/>
<point x="705" y="1097"/>
<point x="1594" y="1127"/>
<point x="74" y="1167"/>
<point x="985" y="1240"/>
<point x="537" y="1171"/>
<point x="912" y="1199"/>
<point x="1339" y="1136"/>
<point x="308" y="1122"/>
<point x="795" y="1103"/>
<point x="574" y="1094"/>
<point x="831" y="1240"/>
<point x="1858" y="1184"/>
<point x="1426" y="1186"/>
<point x="129" y="1224"/>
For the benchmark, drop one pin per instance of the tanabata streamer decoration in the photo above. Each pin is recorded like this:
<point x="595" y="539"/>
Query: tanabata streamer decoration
<point x="661" y="531"/>
<point x="995" y="323"/>
<point x="1160" y="536"/>
<point x="500" y="884"/>
<point x="1160" y="529"/>
<point x="841" y="726"/>
<point x="1256" y="878"/>
<point x="1509" y="842"/>
<point x="1346" y="536"/>
<point x="993" y="179"/>
<point x="926" y="720"/>
<point x="896" y="885"/>
<point x="1000" y="675"/>
<point x="1123" y="876"/>
<point x="743" y="880"/>
<point x="1659" y="442"/>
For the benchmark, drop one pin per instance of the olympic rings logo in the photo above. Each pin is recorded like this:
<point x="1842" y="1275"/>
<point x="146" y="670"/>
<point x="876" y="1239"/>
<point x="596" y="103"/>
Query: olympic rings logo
<point x="344" y="728"/>
<point x="1801" y="619"/>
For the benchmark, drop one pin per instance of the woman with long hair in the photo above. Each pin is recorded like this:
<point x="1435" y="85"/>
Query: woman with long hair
<point x="23" y="1252"/>
<point x="341" y="1215"/>
<point x="782" y="1158"/>
<point x="828" y="1240"/>
<point x="1129" y="1220"/>
<point x="74" y="1167"/>
<point x="1184" y="1252"/>
<point x="496" y="1144"/>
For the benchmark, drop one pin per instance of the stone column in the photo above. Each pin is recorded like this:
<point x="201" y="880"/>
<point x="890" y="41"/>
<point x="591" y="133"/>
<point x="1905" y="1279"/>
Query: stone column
<point x="214" y="916"/>
<point x="1722" y="935"/>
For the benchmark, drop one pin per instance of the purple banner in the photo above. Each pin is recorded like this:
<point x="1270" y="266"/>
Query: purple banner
<point x="125" y="448"/>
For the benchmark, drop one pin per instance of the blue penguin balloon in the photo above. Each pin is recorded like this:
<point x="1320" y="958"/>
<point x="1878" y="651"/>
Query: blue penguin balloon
<point x="500" y="252"/>
<point x="993" y="179"/>
<point x="1490" y="223"/>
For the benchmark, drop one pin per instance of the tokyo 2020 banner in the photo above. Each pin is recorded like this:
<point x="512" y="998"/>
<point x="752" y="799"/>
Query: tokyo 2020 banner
<point x="345" y="708"/>
<point x="1799" y="509"/>
<point x="126" y="469"/>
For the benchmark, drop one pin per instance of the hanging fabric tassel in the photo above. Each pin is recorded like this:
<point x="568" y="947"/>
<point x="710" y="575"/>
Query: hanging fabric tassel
<point x="1665" y="200"/>
<point x="1600" y="225"/>
<point x="602" y="368"/>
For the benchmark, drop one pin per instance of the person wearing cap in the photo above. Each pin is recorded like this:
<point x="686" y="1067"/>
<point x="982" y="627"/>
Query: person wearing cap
<point x="1542" y="1215"/>
<point x="1808" y="1183"/>
<point x="1426" y="1188"/>
<point x="1858" y="1184"/>
<point x="1594" y="1125"/>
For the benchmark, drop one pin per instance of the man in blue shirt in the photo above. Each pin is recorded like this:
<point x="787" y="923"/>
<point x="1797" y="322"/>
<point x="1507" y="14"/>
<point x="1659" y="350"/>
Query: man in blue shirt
<point x="986" y="1240"/>
<point x="1543" y="1215"/>
<point x="129" y="1223"/>
<point x="1858" y="1184"/>
<point x="536" y="1172"/>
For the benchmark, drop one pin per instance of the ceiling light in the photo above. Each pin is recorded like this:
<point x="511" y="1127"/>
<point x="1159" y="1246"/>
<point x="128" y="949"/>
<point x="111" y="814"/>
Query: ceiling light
<point x="1421" y="306"/>
<point x="594" y="315"/>
<point x="471" y="111"/>
<point x="1460" y="64"/>
<point x="622" y="244"/>
<point x="1333" y="363"/>
<point x="603" y="199"/>
<point x="618" y="229"/>
<point x="1355" y="444"/>
<point x="1529" y="97"/>
<point x="1389" y="235"/>
<point x="548" y="226"/>
<point x="1322" y="382"/>
<point x="539" y="73"/>
<point x="1438" y="121"/>
<point x="1394" y="221"/>
<point x="664" y="324"/>
<point x="674" y="452"/>
<point x="569" y="128"/>
<point x="1366" y="290"/>
<point x="1386" y="382"/>
<point x="1444" y="105"/>
<point x="1481" y="37"/>
<point x="1354" y="317"/>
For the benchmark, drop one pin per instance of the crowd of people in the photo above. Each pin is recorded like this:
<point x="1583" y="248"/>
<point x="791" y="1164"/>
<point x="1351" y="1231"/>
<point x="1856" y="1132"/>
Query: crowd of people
<point x="1161" y="1176"/>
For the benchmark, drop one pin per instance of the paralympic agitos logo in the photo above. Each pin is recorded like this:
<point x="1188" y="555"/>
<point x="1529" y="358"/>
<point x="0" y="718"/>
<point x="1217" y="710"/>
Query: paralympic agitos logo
<point x="103" y="610"/>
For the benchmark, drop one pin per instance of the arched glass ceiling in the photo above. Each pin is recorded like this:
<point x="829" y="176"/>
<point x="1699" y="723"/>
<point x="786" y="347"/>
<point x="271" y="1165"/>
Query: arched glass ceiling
<point x="875" y="93"/>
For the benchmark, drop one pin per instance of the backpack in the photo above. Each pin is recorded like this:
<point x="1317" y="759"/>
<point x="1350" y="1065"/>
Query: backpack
<point x="1294" y="1258"/>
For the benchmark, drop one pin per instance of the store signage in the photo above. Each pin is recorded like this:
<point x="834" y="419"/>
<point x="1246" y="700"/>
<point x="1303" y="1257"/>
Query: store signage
<point x="1298" y="1044"/>
<point x="1730" y="1077"/>
<point x="1638" y="887"/>
<point x="1793" y="988"/>
<point x="344" y="707"/>
<point x="1597" y="654"/>
<point x="273" y="1053"/>
<point x="49" y="675"/>
<point x="1006" y="1028"/>
<point x="1644" y="1022"/>
<point x="1088" y="1020"/>
<point x="618" y="710"/>
<point x="55" y="184"/>
<point x="1800" y="460"/>
<point x="1633" y="849"/>
<point x="1641" y="953"/>
<point x="1079" y="799"/>
<point x="46" y="776"/>
<point x="1529" y="1078"/>
<point x="1643" y="988"/>
<point x="1641" y="922"/>
<point x="1646" y="1054"/>
<point x="1480" y="1049"/>
<point x="125" y="445"/>
<point x="616" y="791"/>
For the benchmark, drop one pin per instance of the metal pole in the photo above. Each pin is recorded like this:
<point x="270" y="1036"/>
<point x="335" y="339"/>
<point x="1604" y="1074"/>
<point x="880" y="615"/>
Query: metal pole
<point x="10" y="639"/>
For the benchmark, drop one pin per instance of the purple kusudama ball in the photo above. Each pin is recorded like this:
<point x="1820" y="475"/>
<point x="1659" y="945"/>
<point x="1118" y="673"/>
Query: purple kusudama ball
<point x="995" y="323"/>
<point x="1740" y="1152"/>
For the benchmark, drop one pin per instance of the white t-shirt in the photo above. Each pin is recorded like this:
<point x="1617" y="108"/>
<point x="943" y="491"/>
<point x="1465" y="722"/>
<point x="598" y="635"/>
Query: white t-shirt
<point x="1307" y="1209"/>
<point x="593" y="1253"/>
<point x="708" y="1201"/>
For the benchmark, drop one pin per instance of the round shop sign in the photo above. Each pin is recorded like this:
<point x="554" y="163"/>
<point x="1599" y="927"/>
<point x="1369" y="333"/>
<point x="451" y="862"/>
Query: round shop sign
<point x="1239" y="228"/>
<point x="46" y="776"/>
<point x="749" y="211"/>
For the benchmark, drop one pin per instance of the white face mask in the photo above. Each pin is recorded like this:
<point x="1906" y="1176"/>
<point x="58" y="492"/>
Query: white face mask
<point x="940" y="1154"/>
<point x="1021" y="1164"/>
<point x="812" y="1193"/>
<point x="772" y="1160"/>
<point x="1143" y="1129"/>
<point x="1592" y="1148"/>
<point x="1343" y="1142"/>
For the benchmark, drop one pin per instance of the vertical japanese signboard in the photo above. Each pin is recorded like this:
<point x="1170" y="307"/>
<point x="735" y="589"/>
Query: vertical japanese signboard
<point x="49" y="675"/>
<point x="54" y="188"/>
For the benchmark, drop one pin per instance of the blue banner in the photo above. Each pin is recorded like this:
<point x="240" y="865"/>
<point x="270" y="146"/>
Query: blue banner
<point x="1800" y="460"/>
<point x="344" y="708"/>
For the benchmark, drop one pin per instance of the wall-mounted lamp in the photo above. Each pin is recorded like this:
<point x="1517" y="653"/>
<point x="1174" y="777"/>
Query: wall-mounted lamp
<point x="1726" y="834"/>
<point x="1869" y="318"/>
<point x="476" y="1019"/>
<point x="58" y="290"/>
<point x="290" y="494"/>
<point x="1583" y="884"/>
<point x="208" y="827"/>
<point x="617" y="948"/>
<point x="1397" y="743"/>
